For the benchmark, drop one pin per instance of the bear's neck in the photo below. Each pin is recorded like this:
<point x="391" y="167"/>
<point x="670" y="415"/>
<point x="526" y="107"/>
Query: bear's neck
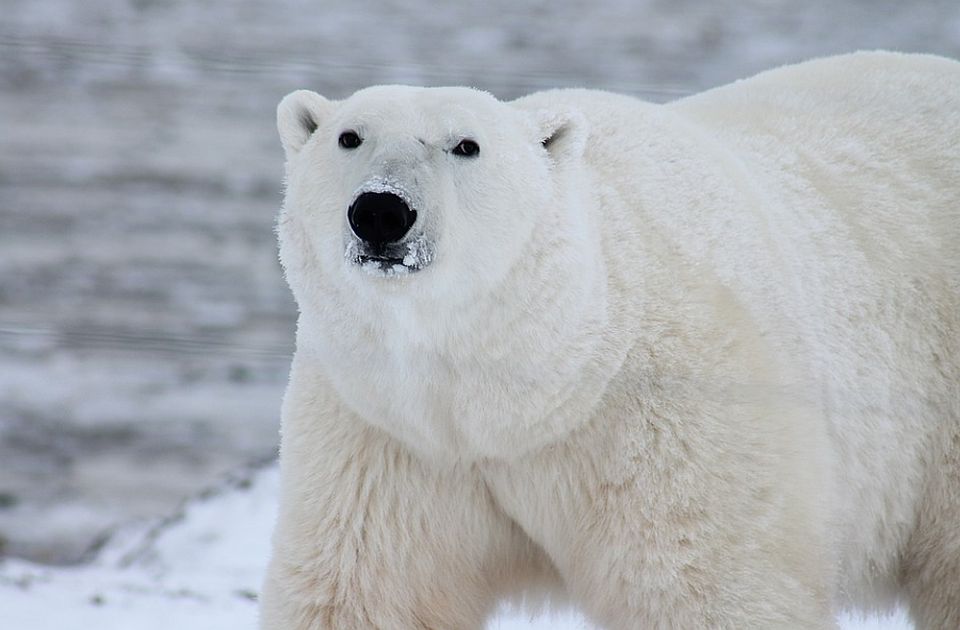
<point x="523" y="368"/>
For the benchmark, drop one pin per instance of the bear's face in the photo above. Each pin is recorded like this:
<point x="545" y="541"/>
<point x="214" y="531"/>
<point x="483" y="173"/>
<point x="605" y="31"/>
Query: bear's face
<point x="429" y="191"/>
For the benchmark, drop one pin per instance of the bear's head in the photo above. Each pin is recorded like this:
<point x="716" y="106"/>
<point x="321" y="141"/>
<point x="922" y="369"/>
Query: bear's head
<point x="435" y="192"/>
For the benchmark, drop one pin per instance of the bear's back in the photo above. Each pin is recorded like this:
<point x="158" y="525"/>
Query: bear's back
<point x="863" y="133"/>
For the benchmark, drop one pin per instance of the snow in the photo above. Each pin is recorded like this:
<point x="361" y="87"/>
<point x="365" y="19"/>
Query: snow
<point x="419" y="253"/>
<point x="199" y="569"/>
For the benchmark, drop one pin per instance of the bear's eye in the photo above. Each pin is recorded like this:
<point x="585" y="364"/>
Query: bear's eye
<point x="466" y="148"/>
<point x="350" y="140"/>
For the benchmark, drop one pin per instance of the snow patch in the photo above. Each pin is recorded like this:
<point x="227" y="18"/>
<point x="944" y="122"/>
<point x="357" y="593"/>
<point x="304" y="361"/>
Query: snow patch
<point x="391" y="185"/>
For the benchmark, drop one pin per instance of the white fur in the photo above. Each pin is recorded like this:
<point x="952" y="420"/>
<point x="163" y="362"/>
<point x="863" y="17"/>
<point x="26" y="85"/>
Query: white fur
<point x="691" y="365"/>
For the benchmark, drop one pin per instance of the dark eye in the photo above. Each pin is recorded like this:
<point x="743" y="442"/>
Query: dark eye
<point x="466" y="148"/>
<point x="350" y="140"/>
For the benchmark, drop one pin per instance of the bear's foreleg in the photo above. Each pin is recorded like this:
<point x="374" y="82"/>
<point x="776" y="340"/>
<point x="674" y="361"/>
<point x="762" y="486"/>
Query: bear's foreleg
<point x="369" y="536"/>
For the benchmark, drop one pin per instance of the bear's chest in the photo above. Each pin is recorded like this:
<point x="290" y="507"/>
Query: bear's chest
<point x="481" y="404"/>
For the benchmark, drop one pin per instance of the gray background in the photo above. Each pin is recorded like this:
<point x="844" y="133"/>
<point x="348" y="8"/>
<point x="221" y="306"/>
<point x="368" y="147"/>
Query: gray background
<point x="145" y="328"/>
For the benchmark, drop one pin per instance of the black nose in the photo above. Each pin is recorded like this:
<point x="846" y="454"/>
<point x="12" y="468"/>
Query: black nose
<point x="380" y="218"/>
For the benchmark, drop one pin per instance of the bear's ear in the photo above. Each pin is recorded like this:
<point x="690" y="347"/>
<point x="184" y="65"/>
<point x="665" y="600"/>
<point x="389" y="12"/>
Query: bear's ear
<point x="298" y="116"/>
<point x="562" y="132"/>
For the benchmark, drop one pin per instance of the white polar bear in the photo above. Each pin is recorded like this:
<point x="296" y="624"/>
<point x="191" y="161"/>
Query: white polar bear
<point x="693" y="365"/>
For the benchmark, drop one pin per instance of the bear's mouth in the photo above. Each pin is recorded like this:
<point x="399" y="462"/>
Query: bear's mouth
<point x="387" y="261"/>
<point x="386" y="265"/>
<point x="392" y="260"/>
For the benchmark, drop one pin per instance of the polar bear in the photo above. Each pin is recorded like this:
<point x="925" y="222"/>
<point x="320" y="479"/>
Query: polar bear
<point x="693" y="365"/>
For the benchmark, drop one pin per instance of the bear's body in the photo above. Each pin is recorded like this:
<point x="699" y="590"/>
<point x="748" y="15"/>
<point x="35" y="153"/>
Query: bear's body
<point x="695" y="364"/>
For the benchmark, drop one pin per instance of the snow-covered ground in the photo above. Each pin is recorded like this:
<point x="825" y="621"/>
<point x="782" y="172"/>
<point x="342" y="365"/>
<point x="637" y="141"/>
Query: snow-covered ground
<point x="197" y="570"/>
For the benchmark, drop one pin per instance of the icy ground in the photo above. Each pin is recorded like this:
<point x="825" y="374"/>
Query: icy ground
<point x="197" y="570"/>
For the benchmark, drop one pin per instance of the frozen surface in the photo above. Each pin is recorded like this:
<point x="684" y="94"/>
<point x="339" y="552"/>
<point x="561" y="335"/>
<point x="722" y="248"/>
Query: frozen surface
<point x="198" y="570"/>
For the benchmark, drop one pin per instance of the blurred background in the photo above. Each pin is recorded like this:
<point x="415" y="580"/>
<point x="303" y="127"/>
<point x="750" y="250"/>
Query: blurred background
<point x="145" y="329"/>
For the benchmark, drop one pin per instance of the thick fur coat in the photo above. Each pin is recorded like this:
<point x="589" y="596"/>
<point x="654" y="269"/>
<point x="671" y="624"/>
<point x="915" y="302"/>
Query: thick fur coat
<point x="693" y="365"/>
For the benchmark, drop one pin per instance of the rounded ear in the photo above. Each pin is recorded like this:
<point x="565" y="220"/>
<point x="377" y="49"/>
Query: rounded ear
<point x="298" y="116"/>
<point x="562" y="132"/>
